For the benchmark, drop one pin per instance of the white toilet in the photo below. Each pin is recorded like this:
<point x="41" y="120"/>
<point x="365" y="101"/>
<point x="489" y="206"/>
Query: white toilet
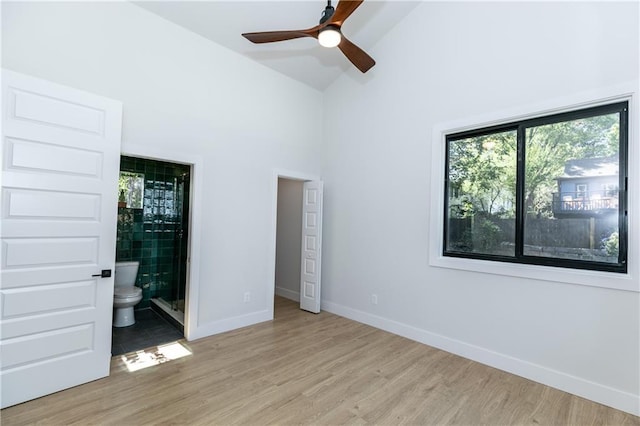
<point x="125" y="294"/>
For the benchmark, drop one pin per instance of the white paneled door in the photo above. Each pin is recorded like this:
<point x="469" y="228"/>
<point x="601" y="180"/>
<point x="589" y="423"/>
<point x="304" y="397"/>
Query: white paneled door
<point x="60" y="160"/>
<point x="311" y="246"/>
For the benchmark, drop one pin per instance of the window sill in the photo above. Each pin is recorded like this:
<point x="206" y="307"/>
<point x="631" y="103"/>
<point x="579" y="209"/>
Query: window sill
<point x="610" y="280"/>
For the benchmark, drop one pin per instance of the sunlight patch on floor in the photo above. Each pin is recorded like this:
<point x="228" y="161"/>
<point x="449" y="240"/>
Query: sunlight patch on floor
<point x="135" y="361"/>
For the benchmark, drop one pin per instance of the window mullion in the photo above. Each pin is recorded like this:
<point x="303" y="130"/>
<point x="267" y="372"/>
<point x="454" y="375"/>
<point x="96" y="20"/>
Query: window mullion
<point x="520" y="210"/>
<point x="623" y="185"/>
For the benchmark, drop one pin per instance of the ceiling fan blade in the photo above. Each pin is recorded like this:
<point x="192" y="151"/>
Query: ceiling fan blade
<point x="343" y="10"/>
<point x="271" y="36"/>
<point x="357" y="56"/>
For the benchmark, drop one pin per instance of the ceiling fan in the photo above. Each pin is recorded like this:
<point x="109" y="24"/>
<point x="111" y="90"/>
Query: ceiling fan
<point x="327" y="32"/>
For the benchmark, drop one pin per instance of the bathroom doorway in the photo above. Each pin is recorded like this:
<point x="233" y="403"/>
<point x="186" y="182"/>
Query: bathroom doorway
<point x="153" y="229"/>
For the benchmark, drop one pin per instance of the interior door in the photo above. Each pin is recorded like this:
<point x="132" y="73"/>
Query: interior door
<point x="60" y="161"/>
<point x="311" y="246"/>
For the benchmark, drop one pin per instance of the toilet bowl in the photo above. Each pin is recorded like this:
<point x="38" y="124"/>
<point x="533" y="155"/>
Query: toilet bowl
<point x="125" y="294"/>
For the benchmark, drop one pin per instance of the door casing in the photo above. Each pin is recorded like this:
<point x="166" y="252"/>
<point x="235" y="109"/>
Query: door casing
<point x="195" y="224"/>
<point x="280" y="174"/>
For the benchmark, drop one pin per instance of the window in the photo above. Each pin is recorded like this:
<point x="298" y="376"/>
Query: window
<point x="609" y="190"/>
<point x="130" y="189"/>
<point x="581" y="190"/>
<point x="547" y="191"/>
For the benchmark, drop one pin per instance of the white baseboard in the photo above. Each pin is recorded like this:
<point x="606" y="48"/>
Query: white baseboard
<point x="611" y="397"/>
<point x="228" y="324"/>
<point x="289" y="294"/>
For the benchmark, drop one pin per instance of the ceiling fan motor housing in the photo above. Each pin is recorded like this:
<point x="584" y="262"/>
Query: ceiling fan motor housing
<point x="327" y="13"/>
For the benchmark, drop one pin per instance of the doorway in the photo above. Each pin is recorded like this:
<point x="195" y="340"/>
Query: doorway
<point x="297" y="239"/>
<point x="195" y="163"/>
<point x="153" y="230"/>
<point x="288" y="239"/>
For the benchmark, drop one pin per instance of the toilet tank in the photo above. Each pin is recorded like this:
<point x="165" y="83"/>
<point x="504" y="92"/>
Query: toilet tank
<point x="126" y="273"/>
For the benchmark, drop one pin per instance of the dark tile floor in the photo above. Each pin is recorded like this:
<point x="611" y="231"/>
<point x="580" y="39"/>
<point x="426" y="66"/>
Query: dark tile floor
<point x="149" y="330"/>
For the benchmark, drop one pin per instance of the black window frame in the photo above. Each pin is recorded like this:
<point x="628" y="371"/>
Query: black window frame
<point x="520" y="126"/>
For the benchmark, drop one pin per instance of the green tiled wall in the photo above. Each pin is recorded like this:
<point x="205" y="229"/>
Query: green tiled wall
<point x="150" y="235"/>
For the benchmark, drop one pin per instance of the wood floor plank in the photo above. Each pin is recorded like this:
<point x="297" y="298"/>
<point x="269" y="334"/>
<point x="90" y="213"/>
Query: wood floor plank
<point x="319" y="369"/>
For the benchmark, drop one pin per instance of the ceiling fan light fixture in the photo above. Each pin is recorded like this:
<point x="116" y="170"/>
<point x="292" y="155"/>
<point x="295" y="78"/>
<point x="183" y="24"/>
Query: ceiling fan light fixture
<point x="329" y="36"/>
<point x="327" y="32"/>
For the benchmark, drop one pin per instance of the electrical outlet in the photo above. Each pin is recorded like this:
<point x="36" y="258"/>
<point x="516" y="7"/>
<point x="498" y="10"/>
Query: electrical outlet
<point x="247" y="297"/>
<point x="374" y="299"/>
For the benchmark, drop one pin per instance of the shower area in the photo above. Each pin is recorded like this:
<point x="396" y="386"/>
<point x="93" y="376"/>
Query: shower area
<point x="153" y="226"/>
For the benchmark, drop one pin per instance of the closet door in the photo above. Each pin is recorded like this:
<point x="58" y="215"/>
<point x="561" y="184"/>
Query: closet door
<point x="311" y="246"/>
<point x="61" y="154"/>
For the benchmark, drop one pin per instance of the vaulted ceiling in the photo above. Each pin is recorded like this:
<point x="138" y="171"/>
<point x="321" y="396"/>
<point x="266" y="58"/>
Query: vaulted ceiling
<point x="304" y="60"/>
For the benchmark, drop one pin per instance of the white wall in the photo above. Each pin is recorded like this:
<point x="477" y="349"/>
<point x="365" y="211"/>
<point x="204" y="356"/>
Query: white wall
<point x="447" y="62"/>
<point x="184" y="94"/>
<point x="289" y="238"/>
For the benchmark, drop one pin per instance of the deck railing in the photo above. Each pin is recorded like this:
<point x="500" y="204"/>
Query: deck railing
<point x="585" y="202"/>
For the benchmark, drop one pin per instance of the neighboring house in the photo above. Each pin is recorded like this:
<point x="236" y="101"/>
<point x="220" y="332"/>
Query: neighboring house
<point x="589" y="187"/>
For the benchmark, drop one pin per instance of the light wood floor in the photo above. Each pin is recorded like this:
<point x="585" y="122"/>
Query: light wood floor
<point x="312" y="369"/>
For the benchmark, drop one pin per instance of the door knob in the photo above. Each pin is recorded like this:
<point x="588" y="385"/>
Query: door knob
<point x="106" y="273"/>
